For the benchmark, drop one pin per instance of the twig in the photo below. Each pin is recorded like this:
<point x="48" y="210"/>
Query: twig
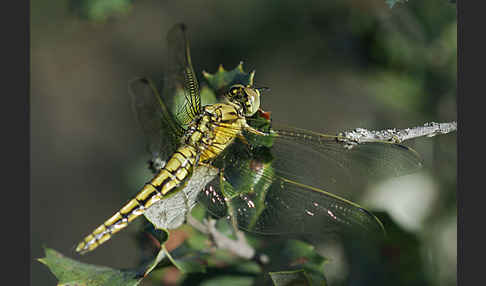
<point x="361" y="135"/>
<point x="239" y="247"/>
<point x="197" y="225"/>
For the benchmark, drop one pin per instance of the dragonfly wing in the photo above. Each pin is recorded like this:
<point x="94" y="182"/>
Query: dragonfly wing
<point x="160" y="128"/>
<point x="287" y="207"/>
<point x="181" y="79"/>
<point x="323" y="161"/>
<point x="171" y="212"/>
<point x="163" y="116"/>
<point x="291" y="187"/>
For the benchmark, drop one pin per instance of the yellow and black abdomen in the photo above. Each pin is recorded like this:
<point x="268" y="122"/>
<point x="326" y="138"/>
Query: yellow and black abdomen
<point x="174" y="174"/>
<point x="205" y="140"/>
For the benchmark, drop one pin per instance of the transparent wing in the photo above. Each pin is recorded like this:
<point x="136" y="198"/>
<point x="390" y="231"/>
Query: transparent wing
<point x="323" y="161"/>
<point x="292" y="187"/>
<point x="171" y="212"/>
<point x="160" y="128"/>
<point x="164" y="116"/>
<point x="181" y="81"/>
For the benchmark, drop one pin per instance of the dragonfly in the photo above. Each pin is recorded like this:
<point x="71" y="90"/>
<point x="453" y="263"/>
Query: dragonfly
<point x="214" y="144"/>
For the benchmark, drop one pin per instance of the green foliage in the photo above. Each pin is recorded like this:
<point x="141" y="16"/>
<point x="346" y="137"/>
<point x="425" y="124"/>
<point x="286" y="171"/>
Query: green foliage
<point x="401" y="255"/>
<point x="72" y="272"/>
<point x="295" y="260"/>
<point x="187" y="259"/>
<point x="291" y="261"/>
<point x="222" y="78"/>
<point x="392" y="3"/>
<point x="229" y="280"/>
<point x="239" y="273"/>
<point x="290" y="278"/>
<point x="261" y="122"/>
<point x="98" y="10"/>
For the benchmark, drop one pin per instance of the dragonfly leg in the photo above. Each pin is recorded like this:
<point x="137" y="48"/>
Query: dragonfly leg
<point x="207" y="165"/>
<point x="243" y="139"/>
<point x="156" y="164"/>
<point x="254" y="131"/>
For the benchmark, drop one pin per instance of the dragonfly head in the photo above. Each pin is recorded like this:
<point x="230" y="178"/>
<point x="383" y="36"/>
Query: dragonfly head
<point x="247" y="97"/>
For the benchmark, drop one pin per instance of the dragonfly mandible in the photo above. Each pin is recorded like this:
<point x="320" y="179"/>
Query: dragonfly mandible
<point x="267" y="179"/>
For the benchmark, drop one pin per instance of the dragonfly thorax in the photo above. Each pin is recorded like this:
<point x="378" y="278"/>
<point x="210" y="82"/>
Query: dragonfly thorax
<point x="216" y="127"/>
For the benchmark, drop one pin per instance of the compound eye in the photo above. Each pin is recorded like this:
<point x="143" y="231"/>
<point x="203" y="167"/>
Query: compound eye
<point x="234" y="91"/>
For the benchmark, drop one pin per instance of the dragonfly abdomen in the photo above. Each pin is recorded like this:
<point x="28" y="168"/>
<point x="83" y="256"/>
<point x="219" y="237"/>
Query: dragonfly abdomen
<point x="209" y="136"/>
<point x="170" y="178"/>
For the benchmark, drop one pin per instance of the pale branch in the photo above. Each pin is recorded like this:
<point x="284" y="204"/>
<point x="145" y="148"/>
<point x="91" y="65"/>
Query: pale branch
<point x="239" y="247"/>
<point x="362" y="135"/>
<point x="201" y="227"/>
<point x="170" y="213"/>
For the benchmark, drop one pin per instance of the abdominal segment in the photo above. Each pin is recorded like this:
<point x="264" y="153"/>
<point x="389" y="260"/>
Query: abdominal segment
<point x="173" y="175"/>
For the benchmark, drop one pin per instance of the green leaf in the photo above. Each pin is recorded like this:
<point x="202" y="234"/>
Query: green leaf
<point x="232" y="273"/>
<point x="198" y="212"/>
<point x="234" y="280"/>
<point x="293" y="255"/>
<point x="222" y="78"/>
<point x="290" y="278"/>
<point x="99" y="10"/>
<point x="392" y="3"/>
<point x="186" y="259"/>
<point x="197" y="241"/>
<point x="161" y="235"/>
<point x="151" y="266"/>
<point x="71" y="272"/>
<point x="207" y="95"/>
<point x="262" y="123"/>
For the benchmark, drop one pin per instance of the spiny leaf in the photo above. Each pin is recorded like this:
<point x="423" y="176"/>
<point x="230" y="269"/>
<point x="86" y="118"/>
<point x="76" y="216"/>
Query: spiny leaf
<point x="187" y="260"/>
<point x="238" y="273"/>
<point x="222" y="78"/>
<point x="295" y="255"/>
<point x="290" y="278"/>
<point x="71" y="272"/>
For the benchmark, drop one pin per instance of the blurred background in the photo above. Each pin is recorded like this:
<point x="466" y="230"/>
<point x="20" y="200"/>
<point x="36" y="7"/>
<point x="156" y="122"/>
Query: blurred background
<point x="331" y="66"/>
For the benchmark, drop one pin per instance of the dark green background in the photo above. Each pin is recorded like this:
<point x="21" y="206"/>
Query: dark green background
<point x="331" y="66"/>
